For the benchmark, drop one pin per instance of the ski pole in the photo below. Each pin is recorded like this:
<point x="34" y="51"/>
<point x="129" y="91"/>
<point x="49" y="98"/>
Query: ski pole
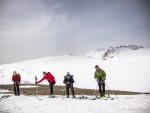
<point x="111" y="90"/>
<point x="49" y="91"/>
<point x="63" y="93"/>
<point x="95" y="91"/>
<point x="15" y="89"/>
<point x="36" y="86"/>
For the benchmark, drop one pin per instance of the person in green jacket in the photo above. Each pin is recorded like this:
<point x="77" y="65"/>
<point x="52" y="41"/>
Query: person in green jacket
<point x="100" y="76"/>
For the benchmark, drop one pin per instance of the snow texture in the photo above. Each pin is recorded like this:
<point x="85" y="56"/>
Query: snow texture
<point x="4" y="90"/>
<point x="43" y="104"/>
<point x="28" y="86"/>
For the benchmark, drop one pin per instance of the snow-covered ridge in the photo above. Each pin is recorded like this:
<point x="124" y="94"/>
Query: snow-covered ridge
<point x="112" y="51"/>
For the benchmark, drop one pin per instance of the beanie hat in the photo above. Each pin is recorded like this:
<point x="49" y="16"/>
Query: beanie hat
<point x="96" y="66"/>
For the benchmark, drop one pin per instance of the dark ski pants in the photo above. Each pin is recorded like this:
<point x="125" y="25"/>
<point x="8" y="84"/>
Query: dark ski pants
<point x="16" y="88"/>
<point x="51" y="86"/>
<point x="70" y="86"/>
<point x="101" y="84"/>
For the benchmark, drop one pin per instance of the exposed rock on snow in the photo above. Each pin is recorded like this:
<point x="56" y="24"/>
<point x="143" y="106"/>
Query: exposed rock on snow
<point x="112" y="51"/>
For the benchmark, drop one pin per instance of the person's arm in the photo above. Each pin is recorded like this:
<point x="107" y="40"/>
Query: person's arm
<point x="103" y="75"/>
<point x="13" y="78"/>
<point x="95" y="76"/>
<point x="40" y="80"/>
<point x="19" y="78"/>
<point x="64" y="81"/>
<point x="72" y="80"/>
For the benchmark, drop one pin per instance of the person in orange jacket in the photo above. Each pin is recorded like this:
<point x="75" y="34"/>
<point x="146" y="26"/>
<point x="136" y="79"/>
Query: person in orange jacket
<point x="16" y="78"/>
<point x="51" y="79"/>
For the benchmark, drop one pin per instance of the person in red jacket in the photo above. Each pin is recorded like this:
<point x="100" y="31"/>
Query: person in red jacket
<point x="51" y="79"/>
<point x="16" y="79"/>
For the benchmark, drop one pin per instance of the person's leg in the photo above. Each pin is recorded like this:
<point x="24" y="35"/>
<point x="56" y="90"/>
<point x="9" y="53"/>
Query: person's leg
<point x="103" y="88"/>
<point x="72" y="90"/>
<point x="100" y="87"/>
<point x="18" y="90"/>
<point x="67" y="90"/>
<point x="51" y="88"/>
<point x="15" y="92"/>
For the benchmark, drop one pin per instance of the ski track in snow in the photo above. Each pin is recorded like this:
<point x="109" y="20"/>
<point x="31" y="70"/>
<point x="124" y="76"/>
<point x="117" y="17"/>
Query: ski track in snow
<point x="31" y="104"/>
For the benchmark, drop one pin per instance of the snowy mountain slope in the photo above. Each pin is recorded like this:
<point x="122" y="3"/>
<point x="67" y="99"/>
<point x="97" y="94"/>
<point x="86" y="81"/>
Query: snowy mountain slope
<point x="128" y="70"/>
<point x="125" y="104"/>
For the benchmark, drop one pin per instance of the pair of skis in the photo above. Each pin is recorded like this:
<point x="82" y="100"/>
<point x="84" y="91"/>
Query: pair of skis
<point x="103" y="98"/>
<point x="96" y="98"/>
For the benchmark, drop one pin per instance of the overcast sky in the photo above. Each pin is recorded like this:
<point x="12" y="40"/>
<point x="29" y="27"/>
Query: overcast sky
<point x="37" y="28"/>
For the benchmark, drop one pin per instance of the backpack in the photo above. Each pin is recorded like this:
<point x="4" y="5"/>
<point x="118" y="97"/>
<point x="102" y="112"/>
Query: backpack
<point x="68" y="79"/>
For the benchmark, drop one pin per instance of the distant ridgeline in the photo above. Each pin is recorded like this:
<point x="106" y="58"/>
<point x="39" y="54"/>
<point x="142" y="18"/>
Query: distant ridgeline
<point x="115" y="50"/>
